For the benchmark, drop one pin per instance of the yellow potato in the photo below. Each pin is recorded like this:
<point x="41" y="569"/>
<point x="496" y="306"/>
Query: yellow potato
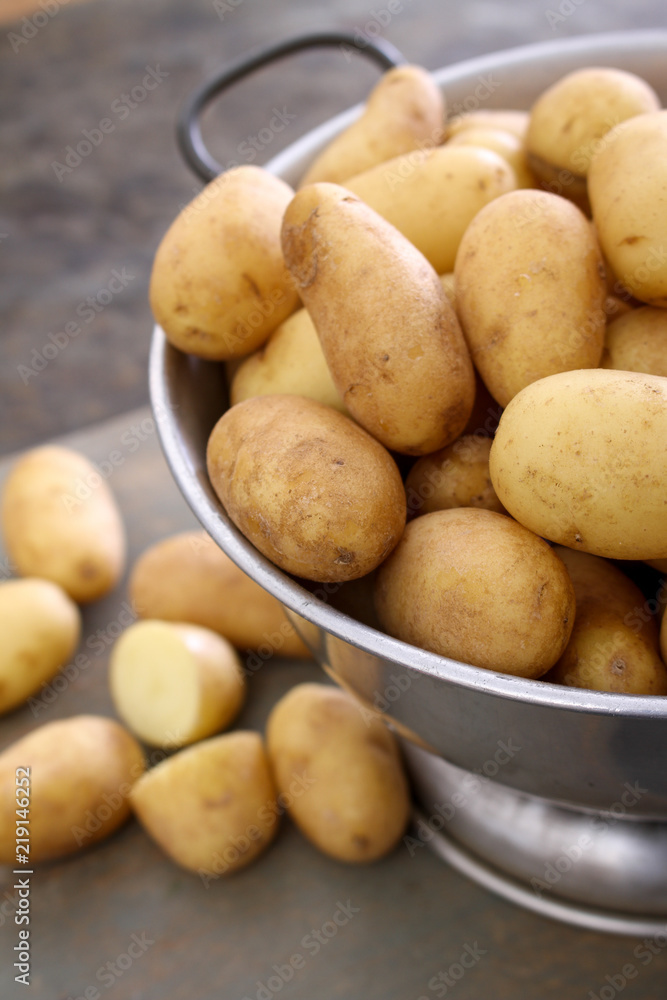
<point x="530" y="291"/>
<point x="60" y="521"/>
<point x="212" y="808"/>
<point x="40" y="628"/>
<point x="614" y="307"/>
<point x="188" y="578"/>
<point x="404" y="111"/>
<point x="507" y="145"/>
<point x="309" y="488"/>
<point x="637" y="342"/>
<point x="476" y="586"/>
<point x="79" y="773"/>
<point x="659" y="564"/>
<point x="449" y="288"/>
<point x="580" y="458"/>
<point x="627" y="184"/>
<point x="485" y="413"/>
<point x="219" y="286"/>
<point x="341" y="769"/>
<point x="432" y="195"/>
<point x="290" y="362"/>
<point x="456" y="476"/>
<point x="569" y="120"/>
<point x="174" y="683"/>
<point x="515" y="122"/>
<point x="614" y="644"/>
<point x="391" y="340"/>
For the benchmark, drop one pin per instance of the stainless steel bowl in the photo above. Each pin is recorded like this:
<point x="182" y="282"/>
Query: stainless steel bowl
<point x="548" y="758"/>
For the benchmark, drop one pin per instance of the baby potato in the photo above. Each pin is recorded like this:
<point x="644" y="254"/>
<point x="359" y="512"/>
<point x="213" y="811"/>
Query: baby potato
<point x="580" y="458"/>
<point x="530" y="291"/>
<point x="79" y="775"/>
<point x="478" y="587"/>
<point x="60" y="521"/>
<point x="188" y="578"/>
<point x="341" y="770"/>
<point x="505" y="144"/>
<point x="173" y="684"/>
<point x="456" y="476"/>
<point x="404" y="111"/>
<point x="637" y="342"/>
<point x="212" y="808"/>
<point x="219" y="286"/>
<point x="612" y="647"/>
<point x="391" y="340"/>
<point x="309" y="488"/>
<point x="569" y="119"/>
<point x="432" y="195"/>
<point x="290" y="362"/>
<point x="515" y="122"/>
<point x="627" y="180"/>
<point x="40" y="628"/>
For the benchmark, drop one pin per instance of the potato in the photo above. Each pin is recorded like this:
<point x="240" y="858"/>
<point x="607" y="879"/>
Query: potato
<point x="188" y="578"/>
<point x="659" y="564"/>
<point x="614" y="645"/>
<point x="569" y="120"/>
<point x="212" y="808"/>
<point x="580" y="459"/>
<point x="627" y="180"/>
<point x="173" y="684"/>
<point x="40" y="628"/>
<point x="637" y="342"/>
<point x="290" y="362"/>
<point x="505" y="144"/>
<point x="449" y="288"/>
<point x="81" y="771"/>
<point x="432" y="195"/>
<point x="342" y="771"/>
<point x="515" y="122"/>
<point x="391" y="340"/>
<point x="614" y="307"/>
<point x="456" y="476"/>
<point x="219" y="286"/>
<point x="309" y="488"/>
<point x="530" y="291"/>
<point x="476" y="586"/>
<point x="404" y="111"/>
<point x="486" y="413"/>
<point x="60" y="522"/>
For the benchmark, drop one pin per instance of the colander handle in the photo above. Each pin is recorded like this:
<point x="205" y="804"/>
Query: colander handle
<point x="188" y="129"/>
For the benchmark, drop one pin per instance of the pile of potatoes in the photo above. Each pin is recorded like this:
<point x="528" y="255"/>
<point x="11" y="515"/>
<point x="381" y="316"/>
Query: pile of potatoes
<point x="214" y="801"/>
<point x="482" y="304"/>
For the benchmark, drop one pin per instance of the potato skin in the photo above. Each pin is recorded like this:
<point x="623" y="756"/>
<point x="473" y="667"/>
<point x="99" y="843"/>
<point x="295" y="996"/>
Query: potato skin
<point x="611" y="647"/>
<point x="432" y="195"/>
<point x="309" y="488"/>
<point x="78" y="766"/>
<point x="506" y="144"/>
<point x="219" y="286"/>
<point x="512" y="121"/>
<point x="637" y="342"/>
<point x="212" y="592"/>
<point x="211" y="808"/>
<point x="627" y="180"/>
<point x="404" y="111"/>
<point x="456" y="476"/>
<point x="518" y="323"/>
<point x="40" y="628"/>
<point x="579" y="458"/>
<point x="50" y="532"/>
<point x="480" y="588"/>
<point x="392" y="342"/>
<point x="342" y="771"/>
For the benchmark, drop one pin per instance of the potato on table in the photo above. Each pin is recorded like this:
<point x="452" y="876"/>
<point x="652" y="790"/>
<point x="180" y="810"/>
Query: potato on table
<point x="212" y="808"/>
<point x="174" y="683"/>
<point x="342" y="771"/>
<point x="40" y="628"/>
<point x="188" y="578"/>
<point x="81" y="772"/>
<point x="60" y="521"/>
